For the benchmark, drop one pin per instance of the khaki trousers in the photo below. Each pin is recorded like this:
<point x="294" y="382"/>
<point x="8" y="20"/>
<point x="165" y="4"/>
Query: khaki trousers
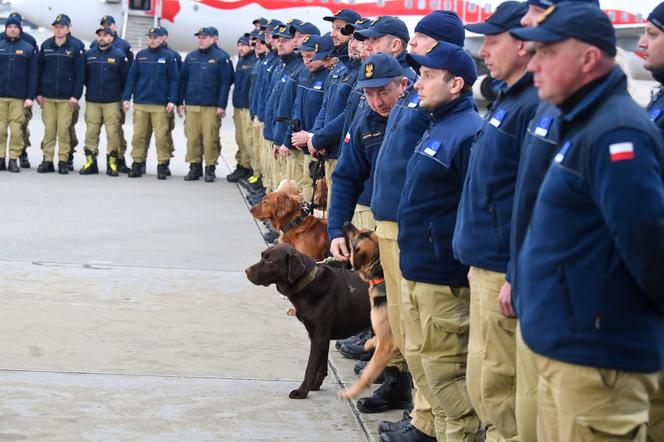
<point x="98" y="115"/>
<point x="57" y="116"/>
<point x="421" y="417"/>
<point x="256" y="151"/>
<point x="12" y="120"/>
<point x="491" y="357"/>
<point x="363" y="218"/>
<point x="437" y="322"/>
<point x="278" y="170"/>
<point x="267" y="164"/>
<point x="25" y="128"/>
<point x="527" y="378"/>
<point x="586" y="404"/>
<point x="201" y="126"/>
<point x="297" y="169"/>
<point x="148" y="118"/>
<point x="123" y="140"/>
<point x="656" y="424"/>
<point x="243" y="155"/>
<point x="171" y="127"/>
<point x="330" y="164"/>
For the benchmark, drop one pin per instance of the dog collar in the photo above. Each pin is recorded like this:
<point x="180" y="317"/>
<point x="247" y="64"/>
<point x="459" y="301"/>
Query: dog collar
<point x="294" y="222"/>
<point x="304" y="280"/>
<point x="376" y="281"/>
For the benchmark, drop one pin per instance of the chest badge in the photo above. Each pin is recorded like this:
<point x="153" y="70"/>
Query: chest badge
<point x="497" y="118"/>
<point x="318" y="85"/>
<point x="432" y="148"/>
<point x="543" y="126"/>
<point x="414" y="101"/>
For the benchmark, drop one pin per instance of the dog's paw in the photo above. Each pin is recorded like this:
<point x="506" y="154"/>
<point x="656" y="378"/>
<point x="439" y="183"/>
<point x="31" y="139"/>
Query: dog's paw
<point x="298" y="394"/>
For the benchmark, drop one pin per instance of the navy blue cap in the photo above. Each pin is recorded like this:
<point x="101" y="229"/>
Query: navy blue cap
<point x="581" y="21"/>
<point x="378" y="70"/>
<point x="323" y="48"/>
<point x="507" y="16"/>
<point x="205" y="31"/>
<point x="155" y="32"/>
<point x="252" y="34"/>
<point x="282" y="31"/>
<point x="259" y="21"/>
<point x="271" y="24"/>
<point x="107" y="20"/>
<point x="16" y="15"/>
<point x="62" y="19"/>
<point x="104" y="29"/>
<point x="382" y="26"/>
<point x="347" y="15"/>
<point x="448" y="56"/>
<point x="656" y="17"/>
<point x="544" y="4"/>
<point x="443" y="25"/>
<point x="304" y="28"/>
<point x="13" y="21"/>
<point x="214" y="30"/>
<point x="164" y="31"/>
<point x="359" y="25"/>
<point x="261" y="36"/>
<point x="243" y="40"/>
<point x="309" y="42"/>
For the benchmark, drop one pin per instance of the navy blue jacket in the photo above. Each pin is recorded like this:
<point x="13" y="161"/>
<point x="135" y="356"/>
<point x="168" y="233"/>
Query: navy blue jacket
<point x="537" y="150"/>
<point x="206" y="78"/>
<point x="256" y="73"/>
<point x="61" y="69"/>
<point x="284" y="108"/>
<point x="105" y="75"/>
<point x="153" y="78"/>
<point x="121" y="45"/>
<point x="655" y="109"/>
<point x="243" y="80"/>
<point x="289" y="66"/>
<point x="591" y="263"/>
<point x="405" y="126"/>
<point x="265" y="84"/>
<point x="430" y="199"/>
<point x="328" y="129"/>
<point x="352" y="179"/>
<point x="178" y="57"/>
<point x="26" y="38"/>
<point x="18" y="69"/>
<point x="482" y="236"/>
<point x="308" y="100"/>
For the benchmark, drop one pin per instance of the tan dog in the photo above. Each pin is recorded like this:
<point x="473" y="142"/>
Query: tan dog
<point x="365" y="259"/>
<point x="283" y="208"/>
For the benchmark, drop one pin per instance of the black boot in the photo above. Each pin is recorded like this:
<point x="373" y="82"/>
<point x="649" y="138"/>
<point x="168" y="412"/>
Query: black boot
<point x="24" y="162"/>
<point x="407" y="434"/>
<point x="143" y="168"/>
<point x="63" y="167"/>
<point x="239" y="173"/>
<point x="122" y="166"/>
<point x="391" y="427"/>
<point x="168" y="167"/>
<point x="395" y="393"/>
<point x="136" y="169"/>
<point x="195" y="171"/>
<point x="209" y="174"/>
<point x="90" y="167"/>
<point x="13" y="166"/>
<point x="353" y="351"/>
<point x="162" y="169"/>
<point x="112" y="164"/>
<point x="359" y="367"/>
<point x="3" y="164"/>
<point x="362" y="336"/>
<point x="46" y="167"/>
<point x="70" y="161"/>
<point x="271" y="236"/>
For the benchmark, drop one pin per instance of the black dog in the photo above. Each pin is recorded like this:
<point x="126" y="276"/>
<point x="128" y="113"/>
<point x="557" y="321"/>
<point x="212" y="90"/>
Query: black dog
<point x="332" y="303"/>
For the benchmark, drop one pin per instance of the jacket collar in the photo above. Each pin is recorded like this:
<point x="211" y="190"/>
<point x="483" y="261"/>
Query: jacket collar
<point x="615" y="80"/>
<point x="523" y="82"/>
<point x="460" y="104"/>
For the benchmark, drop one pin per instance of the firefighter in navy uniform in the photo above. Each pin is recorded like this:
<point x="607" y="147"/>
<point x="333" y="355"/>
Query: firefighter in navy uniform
<point x="171" y="117"/>
<point x="61" y="76"/>
<point x="105" y="78"/>
<point x="153" y="83"/>
<point x="72" y="128"/>
<point x="205" y="81"/>
<point x="18" y="87"/>
<point x="590" y="283"/>
<point x="241" y="118"/>
<point x="24" y="161"/>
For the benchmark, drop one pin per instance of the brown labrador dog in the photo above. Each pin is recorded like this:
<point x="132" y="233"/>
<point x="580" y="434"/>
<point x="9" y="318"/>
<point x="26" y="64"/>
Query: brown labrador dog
<point x="331" y="302"/>
<point x="365" y="260"/>
<point x="307" y="234"/>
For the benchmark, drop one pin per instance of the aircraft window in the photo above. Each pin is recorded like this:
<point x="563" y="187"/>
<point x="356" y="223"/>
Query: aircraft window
<point x="472" y="7"/>
<point x="447" y="5"/>
<point x="140" y="5"/>
<point x="639" y="18"/>
<point x="434" y="4"/>
<point x="624" y="16"/>
<point x="421" y="4"/>
<point x="336" y="1"/>
<point x="487" y="8"/>
<point x="612" y="15"/>
<point x="381" y="3"/>
<point x="408" y="3"/>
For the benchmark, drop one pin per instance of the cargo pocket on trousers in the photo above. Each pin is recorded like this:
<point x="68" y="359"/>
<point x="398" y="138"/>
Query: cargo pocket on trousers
<point x="613" y="428"/>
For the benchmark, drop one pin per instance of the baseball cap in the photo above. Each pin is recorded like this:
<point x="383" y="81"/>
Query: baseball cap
<point x="544" y="4"/>
<point x="385" y="25"/>
<point x="309" y="43"/>
<point x="205" y="31"/>
<point x="107" y="20"/>
<point x="347" y="15"/>
<point x="323" y="47"/>
<point x="582" y="21"/>
<point x="62" y="19"/>
<point x="507" y="16"/>
<point x="448" y="56"/>
<point x="443" y="25"/>
<point x="378" y="70"/>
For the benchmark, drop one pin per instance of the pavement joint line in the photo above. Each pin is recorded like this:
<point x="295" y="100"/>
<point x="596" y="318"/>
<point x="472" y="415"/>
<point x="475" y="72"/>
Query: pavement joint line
<point x="351" y="404"/>
<point x="111" y="266"/>
<point x="149" y="375"/>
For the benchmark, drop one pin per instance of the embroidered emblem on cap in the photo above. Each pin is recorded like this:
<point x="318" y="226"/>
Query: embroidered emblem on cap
<point x="546" y="14"/>
<point x="369" y="70"/>
<point x="316" y="47"/>
<point x="376" y="20"/>
<point x="306" y="38"/>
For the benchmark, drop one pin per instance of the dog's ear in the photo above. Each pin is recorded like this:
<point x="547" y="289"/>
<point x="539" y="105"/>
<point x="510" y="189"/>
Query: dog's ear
<point x="296" y="265"/>
<point x="286" y="207"/>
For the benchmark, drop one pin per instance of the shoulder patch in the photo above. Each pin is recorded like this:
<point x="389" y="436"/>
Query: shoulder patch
<point x="621" y="151"/>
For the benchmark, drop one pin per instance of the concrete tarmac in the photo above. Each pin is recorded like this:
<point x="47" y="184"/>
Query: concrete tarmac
<point x="125" y="314"/>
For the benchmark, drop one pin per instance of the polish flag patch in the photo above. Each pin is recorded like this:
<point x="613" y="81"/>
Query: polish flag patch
<point x="621" y="151"/>
<point x="347" y="138"/>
